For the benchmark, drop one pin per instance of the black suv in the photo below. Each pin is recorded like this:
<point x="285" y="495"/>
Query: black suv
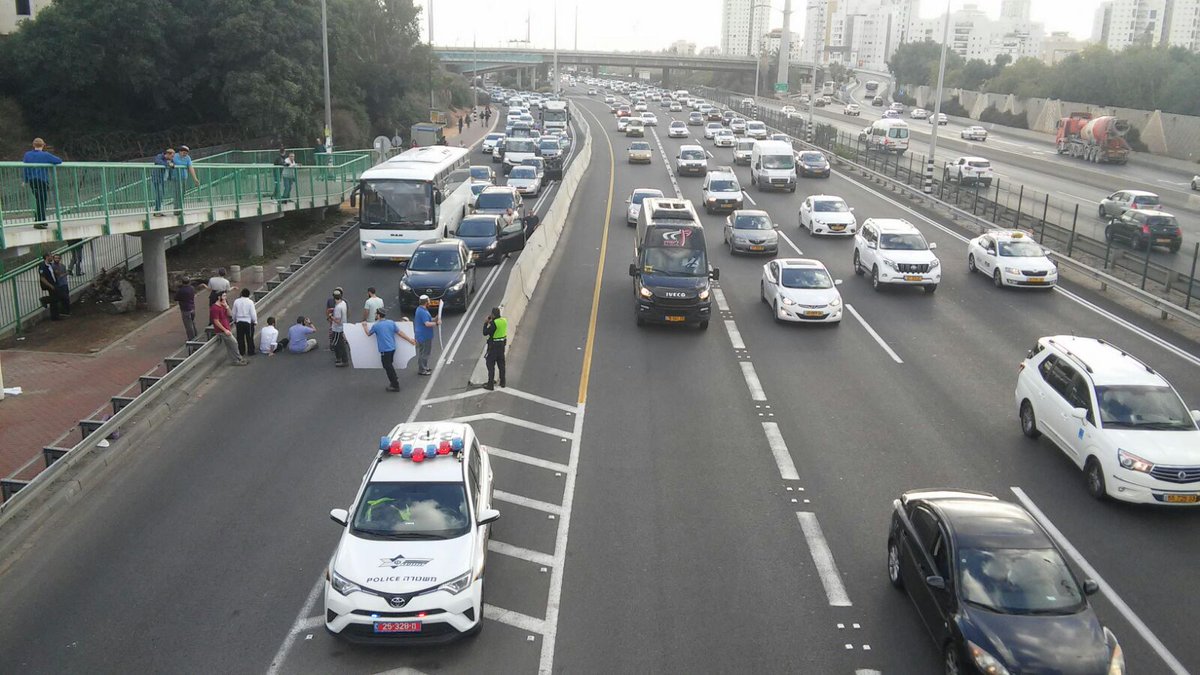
<point x="1145" y="228"/>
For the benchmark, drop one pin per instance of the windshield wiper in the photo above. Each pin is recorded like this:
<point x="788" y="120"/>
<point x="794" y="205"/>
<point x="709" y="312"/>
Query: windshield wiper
<point x="1161" y="426"/>
<point x="383" y="534"/>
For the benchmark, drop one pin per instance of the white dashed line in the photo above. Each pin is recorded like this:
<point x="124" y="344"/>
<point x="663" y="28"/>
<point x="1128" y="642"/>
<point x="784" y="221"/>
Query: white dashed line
<point x="886" y="348"/>
<point x="783" y="458"/>
<point x="535" y="504"/>
<point x="788" y="239"/>
<point x="514" y="619"/>
<point x="526" y="459"/>
<point x="734" y="335"/>
<point x="747" y="196"/>
<point x="755" y="386"/>
<point x="525" y="554"/>
<point x="1090" y="572"/>
<point x="822" y="557"/>
<point x="722" y="304"/>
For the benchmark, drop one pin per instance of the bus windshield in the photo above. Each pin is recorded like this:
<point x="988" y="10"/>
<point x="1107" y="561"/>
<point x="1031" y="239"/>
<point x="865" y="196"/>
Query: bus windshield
<point x="397" y="203"/>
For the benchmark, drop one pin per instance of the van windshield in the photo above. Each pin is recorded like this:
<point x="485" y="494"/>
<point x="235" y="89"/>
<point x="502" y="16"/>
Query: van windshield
<point x="674" y="261"/>
<point x="778" y="162"/>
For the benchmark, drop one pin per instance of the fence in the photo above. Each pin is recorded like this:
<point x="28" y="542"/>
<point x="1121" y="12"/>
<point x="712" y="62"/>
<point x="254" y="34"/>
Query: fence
<point x="1056" y="223"/>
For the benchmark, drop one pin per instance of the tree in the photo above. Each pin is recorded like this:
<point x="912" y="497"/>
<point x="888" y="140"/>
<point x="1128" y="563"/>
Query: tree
<point x="916" y="63"/>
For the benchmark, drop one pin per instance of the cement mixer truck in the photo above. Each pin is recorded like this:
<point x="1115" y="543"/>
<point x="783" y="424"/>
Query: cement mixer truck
<point x="1095" y="139"/>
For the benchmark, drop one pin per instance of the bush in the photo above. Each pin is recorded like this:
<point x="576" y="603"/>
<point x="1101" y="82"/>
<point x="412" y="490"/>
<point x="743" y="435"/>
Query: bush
<point x="1134" y="139"/>
<point x="994" y="116"/>
<point x="907" y="100"/>
<point x="953" y="107"/>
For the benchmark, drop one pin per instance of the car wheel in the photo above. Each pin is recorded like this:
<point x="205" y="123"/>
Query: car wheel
<point x="997" y="279"/>
<point x="775" y="312"/>
<point x="971" y="263"/>
<point x="704" y="325"/>
<point x="1093" y="475"/>
<point x="762" y="292"/>
<point x="1029" y="421"/>
<point x="893" y="564"/>
<point x="1102" y="213"/>
<point x="950" y="659"/>
<point x="858" y="270"/>
<point x="1108" y="234"/>
<point x="931" y="288"/>
<point x="1138" y="243"/>
<point x="875" y="279"/>
<point x="1175" y="247"/>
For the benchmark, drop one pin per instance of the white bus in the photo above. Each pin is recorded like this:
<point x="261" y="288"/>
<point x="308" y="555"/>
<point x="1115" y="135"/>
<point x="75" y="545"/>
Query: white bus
<point x="418" y="195"/>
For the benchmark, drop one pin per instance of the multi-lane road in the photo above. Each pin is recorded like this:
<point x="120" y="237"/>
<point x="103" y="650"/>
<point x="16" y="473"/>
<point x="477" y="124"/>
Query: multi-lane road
<point x="673" y="500"/>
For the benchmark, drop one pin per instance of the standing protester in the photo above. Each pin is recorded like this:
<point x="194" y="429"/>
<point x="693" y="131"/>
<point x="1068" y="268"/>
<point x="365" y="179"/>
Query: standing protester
<point x="495" y="329"/>
<point x="48" y="278"/>
<point x="185" y="295"/>
<point x="423" y="331"/>
<point x="218" y="285"/>
<point x="385" y="331"/>
<point x="268" y="338"/>
<point x="460" y="124"/>
<point x="329" y="303"/>
<point x="280" y="162"/>
<point x="373" y="304"/>
<point x="298" y="340"/>
<point x="62" y="284"/>
<point x="220" y="320"/>
<point x="183" y="164"/>
<point x="289" y="176"/>
<point x="163" y="171"/>
<point x="38" y="179"/>
<point x="245" y="316"/>
<point x="337" y="318"/>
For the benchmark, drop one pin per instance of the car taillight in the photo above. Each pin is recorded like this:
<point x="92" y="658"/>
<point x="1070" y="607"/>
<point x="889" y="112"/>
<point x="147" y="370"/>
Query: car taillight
<point x="1178" y="232"/>
<point x="1145" y="229"/>
<point x="1133" y="205"/>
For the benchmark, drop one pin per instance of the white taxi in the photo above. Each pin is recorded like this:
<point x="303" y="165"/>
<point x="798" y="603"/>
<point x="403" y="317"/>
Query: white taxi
<point x="1011" y="258"/>
<point x="800" y="290"/>
<point x="409" y="565"/>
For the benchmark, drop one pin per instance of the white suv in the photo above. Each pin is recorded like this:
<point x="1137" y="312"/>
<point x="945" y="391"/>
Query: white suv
<point x="1115" y="417"/>
<point x="893" y="251"/>
<point x="410" y="562"/>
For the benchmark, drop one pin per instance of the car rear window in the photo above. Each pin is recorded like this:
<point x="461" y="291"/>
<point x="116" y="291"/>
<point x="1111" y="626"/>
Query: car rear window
<point x="1159" y="221"/>
<point x="980" y="164"/>
<point x="1146" y="200"/>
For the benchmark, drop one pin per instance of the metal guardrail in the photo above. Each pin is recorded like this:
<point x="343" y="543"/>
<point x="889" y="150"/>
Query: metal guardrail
<point x="153" y="390"/>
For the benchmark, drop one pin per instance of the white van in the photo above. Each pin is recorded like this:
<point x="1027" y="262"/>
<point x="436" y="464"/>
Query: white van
<point x="888" y="135"/>
<point x="773" y="165"/>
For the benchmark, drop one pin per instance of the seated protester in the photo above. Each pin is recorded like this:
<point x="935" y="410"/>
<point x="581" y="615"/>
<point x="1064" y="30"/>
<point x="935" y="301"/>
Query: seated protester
<point x="298" y="340"/>
<point x="268" y="338"/>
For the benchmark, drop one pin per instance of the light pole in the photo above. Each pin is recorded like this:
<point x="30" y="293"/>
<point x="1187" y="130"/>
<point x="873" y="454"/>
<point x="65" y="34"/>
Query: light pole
<point x="432" y="106"/>
<point x="556" y="50"/>
<point x="756" y="45"/>
<point x="927" y="188"/>
<point x="785" y="45"/>
<point x="328" y="100"/>
<point x="474" y="73"/>
<point x="812" y="101"/>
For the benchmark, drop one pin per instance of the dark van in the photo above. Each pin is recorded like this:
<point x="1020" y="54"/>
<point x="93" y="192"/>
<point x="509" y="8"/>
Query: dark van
<point x="671" y="274"/>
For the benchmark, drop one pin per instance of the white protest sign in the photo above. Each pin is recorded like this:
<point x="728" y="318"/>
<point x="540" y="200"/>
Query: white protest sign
<point x="364" y="350"/>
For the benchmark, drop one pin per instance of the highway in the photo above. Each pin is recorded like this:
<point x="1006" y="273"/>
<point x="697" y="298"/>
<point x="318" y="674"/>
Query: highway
<point x="673" y="500"/>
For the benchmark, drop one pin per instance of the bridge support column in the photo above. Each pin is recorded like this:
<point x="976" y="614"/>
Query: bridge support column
<point x="520" y="78"/>
<point x="543" y="75"/>
<point x="254" y="233"/>
<point x="154" y="267"/>
<point x="666" y="80"/>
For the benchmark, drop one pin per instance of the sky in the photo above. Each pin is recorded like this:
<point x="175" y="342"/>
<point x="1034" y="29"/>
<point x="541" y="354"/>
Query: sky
<point x="626" y="25"/>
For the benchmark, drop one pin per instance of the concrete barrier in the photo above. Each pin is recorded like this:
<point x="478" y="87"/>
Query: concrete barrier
<point x="527" y="271"/>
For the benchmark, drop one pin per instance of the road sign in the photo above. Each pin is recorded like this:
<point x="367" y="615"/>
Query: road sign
<point x="781" y="87"/>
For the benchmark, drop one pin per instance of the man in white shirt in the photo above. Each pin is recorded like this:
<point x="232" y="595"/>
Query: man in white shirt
<point x="337" y="318"/>
<point x="217" y="285"/>
<point x="268" y="338"/>
<point x="245" y="316"/>
<point x="373" y="304"/>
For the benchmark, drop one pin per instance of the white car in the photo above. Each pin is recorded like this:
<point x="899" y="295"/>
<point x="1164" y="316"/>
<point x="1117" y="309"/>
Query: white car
<point x="894" y="252"/>
<point x="969" y="171"/>
<point x="941" y="119"/>
<point x="640" y="106"/>
<point x="724" y="139"/>
<point x="711" y="129"/>
<point x="525" y="179"/>
<point x="634" y="203"/>
<point x="788" y="110"/>
<point x="800" y="290"/>
<point x="757" y="130"/>
<point x="677" y="129"/>
<point x="649" y="119"/>
<point x="721" y="190"/>
<point x="1118" y="419"/>
<point x="975" y="133"/>
<point x="691" y="160"/>
<point x="853" y="110"/>
<point x="489" y="143"/>
<point x="675" y="107"/>
<point x="622" y="124"/>
<point x="410" y="562"/>
<point x="1011" y="258"/>
<point x="919" y="114"/>
<point x="827" y="214"/>
<point x="737" y="125"/>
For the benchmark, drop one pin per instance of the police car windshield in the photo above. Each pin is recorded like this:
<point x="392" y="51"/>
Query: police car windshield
<point x="477" y="227"/>
<point x="435" y="261"/>
<point x="412" y="511"/>
<point x="793" y="277"/>
<point x="830" y="206"/>
<point x="903" y="242"/>
<point x="1020" y="249"/>
<point x="1143" y="407"/>
<point x="674" y="261"/>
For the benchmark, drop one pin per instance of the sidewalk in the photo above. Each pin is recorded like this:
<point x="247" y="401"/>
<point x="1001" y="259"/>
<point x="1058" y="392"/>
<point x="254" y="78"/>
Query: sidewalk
<point x="59" y="389"/>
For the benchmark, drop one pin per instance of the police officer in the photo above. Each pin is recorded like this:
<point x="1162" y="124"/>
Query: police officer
<point x="495" y="329"/>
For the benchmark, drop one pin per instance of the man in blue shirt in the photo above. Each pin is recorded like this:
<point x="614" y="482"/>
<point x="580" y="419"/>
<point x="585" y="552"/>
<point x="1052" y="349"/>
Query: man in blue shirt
<point x="423" y="332"/>
<point x="163" y="171"/>
<point x="183" y="164"/>
<point x="385" y="331"/>
<point x="38" y="179"/>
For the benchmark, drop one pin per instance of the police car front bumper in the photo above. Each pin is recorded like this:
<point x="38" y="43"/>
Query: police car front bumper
<point x="431" y="618"/>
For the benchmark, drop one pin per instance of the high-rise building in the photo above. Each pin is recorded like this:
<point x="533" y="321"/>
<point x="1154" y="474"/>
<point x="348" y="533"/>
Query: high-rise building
<point x="1183" y="24"/>
<point x="1122" y="23"/>
<point x="816" y="26"/>
<point x="1015" y="10"/>
<point x="13" y="12"/>
<point x="742" y="25"/>
<point x="860" y="33"/>
<point x="975" y="35"/>
<point x="771" y="40"/>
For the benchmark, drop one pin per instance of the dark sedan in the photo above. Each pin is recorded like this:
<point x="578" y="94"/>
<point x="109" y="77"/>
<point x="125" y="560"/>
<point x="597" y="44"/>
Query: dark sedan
<point x="993" y="589"/>
<point x="812" y="164"/>
<point x="444" y="270"/>
<point x="488" y="239"/>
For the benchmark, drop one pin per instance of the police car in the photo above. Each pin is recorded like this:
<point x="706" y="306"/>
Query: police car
<point x="409" y="566"/>
<point x="1011" y="258"/>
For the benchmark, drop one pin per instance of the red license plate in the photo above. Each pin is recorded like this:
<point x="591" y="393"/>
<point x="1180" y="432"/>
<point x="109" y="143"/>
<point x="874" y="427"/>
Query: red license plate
<point x="397" y="626"/>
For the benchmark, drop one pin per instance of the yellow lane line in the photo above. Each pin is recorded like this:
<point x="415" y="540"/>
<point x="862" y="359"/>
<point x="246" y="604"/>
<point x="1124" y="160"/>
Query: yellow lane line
<point x="585" y="375"/>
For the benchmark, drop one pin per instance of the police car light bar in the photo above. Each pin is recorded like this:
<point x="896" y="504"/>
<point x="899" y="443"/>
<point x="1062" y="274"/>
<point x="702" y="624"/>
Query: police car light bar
<point x="418" y="453"/>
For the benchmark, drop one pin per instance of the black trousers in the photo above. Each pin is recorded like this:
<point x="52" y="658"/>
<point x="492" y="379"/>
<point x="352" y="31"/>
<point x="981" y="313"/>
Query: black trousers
<point x="41" y="191"/>
<point x="245" y="338"/>
<point x="341" y="351"/>
<point x="63" y="293"/>
<point x="390" y="368"/>
<point x="495" y="358"/>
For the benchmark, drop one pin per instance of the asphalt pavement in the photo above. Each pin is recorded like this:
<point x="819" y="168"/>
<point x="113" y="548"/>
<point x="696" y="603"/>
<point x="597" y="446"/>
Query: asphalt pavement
<point x="673" y="500"/>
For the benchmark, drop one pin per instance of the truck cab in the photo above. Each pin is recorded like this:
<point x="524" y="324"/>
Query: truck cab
<point x="671" y="274"/>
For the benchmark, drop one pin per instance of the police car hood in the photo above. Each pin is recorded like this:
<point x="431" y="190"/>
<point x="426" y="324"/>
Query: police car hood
<point x="402" y="566"/>
<point x="1169" y="448"/>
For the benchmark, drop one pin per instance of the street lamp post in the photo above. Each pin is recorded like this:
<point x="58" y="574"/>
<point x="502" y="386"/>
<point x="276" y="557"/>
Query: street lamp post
<point x="432" y="105"/>
<point x="556" y="50"/>
<point x="927" y="187"/>
<point x="328" y="100"/>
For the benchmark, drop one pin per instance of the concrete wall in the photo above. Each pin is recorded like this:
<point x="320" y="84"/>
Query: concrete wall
<point x="1167" y="134"/>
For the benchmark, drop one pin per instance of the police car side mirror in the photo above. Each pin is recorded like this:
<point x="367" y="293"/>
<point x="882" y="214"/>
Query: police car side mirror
<point x="339" y="516"/>
<point x="632" y="270"/>
<point x="488" y="516"/>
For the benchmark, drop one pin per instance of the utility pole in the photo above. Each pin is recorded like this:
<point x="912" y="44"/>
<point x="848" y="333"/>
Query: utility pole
<point x="328" y="100"/>
<point x="474" y="73"/>
<point x="556" y="50"/>
<point x="576" y="26"/>
<point x="432" y="105"/>
<point x="785" y="44"/>
<point x="927" y="188"/>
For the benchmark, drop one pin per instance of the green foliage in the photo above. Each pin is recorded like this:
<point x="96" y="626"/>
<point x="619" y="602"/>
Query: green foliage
<point x="993" y="115"/>
<point x="953" y="107"/>
<point x="916" y="63"/>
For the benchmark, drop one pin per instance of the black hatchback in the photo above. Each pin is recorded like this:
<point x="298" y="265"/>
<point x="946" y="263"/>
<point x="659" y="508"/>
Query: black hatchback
<point x="991" y="586"/>
<point x="1145" y="228"/>
<point x="488" y="237"/>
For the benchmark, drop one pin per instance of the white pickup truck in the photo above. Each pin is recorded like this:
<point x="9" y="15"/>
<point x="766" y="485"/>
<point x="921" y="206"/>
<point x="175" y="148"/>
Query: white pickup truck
<point x="969" y="171"/>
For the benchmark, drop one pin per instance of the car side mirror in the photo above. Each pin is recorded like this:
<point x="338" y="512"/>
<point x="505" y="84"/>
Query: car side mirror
<point x="354" y="197"/>
<point x="632" y="270"/>
<point x="851" y="208"/>
<point x="936" y="581"/>
<point x="1196" y="415"/>
<point x="339" y="516"/>
<point x="714" y="274"/>
<point x="438" y="197"/>
<point x="488" y="516"/>
<point x="837" y="282"/>
<point x="1079" y="413"/>
<point x="871" y="244"/>
<point x="1090" y="587"/>
<point x="933" y="246"/>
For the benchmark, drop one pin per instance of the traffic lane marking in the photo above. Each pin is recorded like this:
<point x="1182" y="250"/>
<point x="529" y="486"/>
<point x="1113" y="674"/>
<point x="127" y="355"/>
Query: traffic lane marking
<point x="1132" y="618"/>
<point x="752" y="381"/>
<point x="823" y="560"/>
<point x="528" y="555"/>
<point x="526" y="459"/>
<point x="882" y="343"/>
<point x="735" y="337"/>
<point x="779" y="449"/>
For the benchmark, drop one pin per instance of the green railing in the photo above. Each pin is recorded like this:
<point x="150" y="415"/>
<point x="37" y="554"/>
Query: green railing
<point x="106" y="193"/>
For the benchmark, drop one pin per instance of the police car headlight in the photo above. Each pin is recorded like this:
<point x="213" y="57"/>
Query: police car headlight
<point x="342" y="585"/>
<point x="1012" y="270"/>
<point x="457" y="584"/>
<point x="645" y="292"/>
